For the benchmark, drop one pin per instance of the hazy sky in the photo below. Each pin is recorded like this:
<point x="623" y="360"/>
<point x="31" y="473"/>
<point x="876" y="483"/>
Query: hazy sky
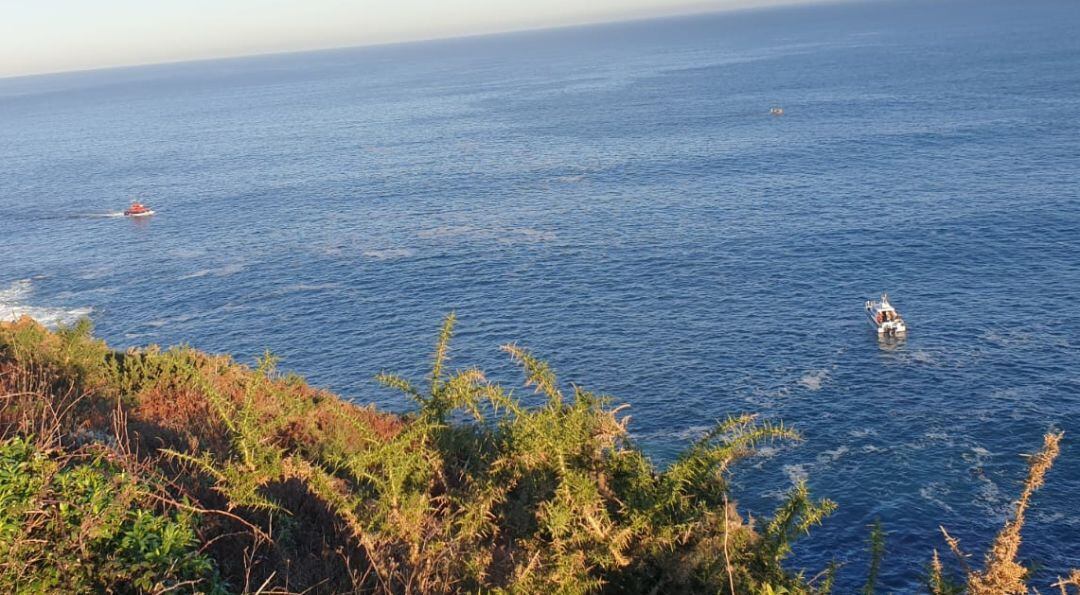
<point x="55" y="35"/>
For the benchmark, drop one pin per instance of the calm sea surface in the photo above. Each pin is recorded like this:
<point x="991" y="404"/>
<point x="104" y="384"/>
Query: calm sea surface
<point x="619" y="199"/>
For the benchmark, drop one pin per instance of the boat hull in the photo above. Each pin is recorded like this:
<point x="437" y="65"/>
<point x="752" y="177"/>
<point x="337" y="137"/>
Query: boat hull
<point x="891" y="329"/>
<point x="142" y="214"/>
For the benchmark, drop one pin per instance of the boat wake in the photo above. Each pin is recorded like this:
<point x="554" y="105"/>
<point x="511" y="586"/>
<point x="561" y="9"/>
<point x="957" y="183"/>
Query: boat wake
<point x="813" y="379"/>
<point x="47" y="216"/>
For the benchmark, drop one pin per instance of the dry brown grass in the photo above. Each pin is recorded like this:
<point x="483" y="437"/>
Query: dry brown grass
<point x="65" y="393"/>
<point x="1002" y="573"/>
<point x="298" y="490"/>
<point x="1073" y="580"/>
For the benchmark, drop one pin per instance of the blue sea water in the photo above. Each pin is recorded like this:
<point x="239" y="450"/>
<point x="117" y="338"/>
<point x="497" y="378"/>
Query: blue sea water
<point x="619" y="199"/>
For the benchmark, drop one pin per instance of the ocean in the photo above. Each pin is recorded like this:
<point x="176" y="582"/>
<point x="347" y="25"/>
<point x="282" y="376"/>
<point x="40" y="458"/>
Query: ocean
<point x="619" y="199"/>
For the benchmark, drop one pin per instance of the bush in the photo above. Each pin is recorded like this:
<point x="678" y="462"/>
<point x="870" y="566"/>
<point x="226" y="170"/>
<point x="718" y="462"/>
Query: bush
<point x="153" y="470"/>
<point x="80" y="524"/>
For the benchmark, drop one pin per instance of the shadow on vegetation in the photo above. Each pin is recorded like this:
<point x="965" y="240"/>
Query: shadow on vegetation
<point x="176" y="471"/>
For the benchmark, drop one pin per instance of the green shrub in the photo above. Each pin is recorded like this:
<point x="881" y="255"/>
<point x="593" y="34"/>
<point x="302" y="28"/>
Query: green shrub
<point x="479" y="492"/>
<point x="80" y="524"/>
<point x="286" y="488"/>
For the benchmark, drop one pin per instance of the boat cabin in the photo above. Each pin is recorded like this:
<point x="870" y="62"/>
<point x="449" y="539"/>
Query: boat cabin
<point x="136" y="209"/>
<point x="884" y="317"/>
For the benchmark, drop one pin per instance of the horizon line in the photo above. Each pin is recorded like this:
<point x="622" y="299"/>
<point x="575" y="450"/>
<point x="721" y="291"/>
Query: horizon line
<point x="687" y="11"/>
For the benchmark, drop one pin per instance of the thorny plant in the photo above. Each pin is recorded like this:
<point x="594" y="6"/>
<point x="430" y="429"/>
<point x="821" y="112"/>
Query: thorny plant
<point x="269" y="486"/>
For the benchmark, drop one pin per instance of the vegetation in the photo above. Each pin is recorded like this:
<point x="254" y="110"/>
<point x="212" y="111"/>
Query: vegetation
<point x="83" y="524"/>
<point x="175" y="471"/>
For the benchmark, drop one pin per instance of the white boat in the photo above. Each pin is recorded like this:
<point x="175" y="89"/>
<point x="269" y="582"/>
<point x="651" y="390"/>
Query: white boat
<point x="884" y="317"/>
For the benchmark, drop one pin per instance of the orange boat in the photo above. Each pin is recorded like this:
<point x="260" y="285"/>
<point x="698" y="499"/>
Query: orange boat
<point x="138" y="209"/>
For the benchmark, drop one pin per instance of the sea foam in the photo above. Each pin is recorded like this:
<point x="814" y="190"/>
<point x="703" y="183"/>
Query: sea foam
<point x="13" y="305"/>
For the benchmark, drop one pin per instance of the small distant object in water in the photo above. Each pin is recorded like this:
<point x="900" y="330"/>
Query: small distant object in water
<point x="777" y="111"/>
<point x="137" y="209"/>
<point x="884" y="317"/>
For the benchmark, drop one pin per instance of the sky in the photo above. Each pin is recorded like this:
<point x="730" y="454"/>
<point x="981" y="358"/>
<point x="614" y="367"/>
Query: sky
<point x="40" y="36"/>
